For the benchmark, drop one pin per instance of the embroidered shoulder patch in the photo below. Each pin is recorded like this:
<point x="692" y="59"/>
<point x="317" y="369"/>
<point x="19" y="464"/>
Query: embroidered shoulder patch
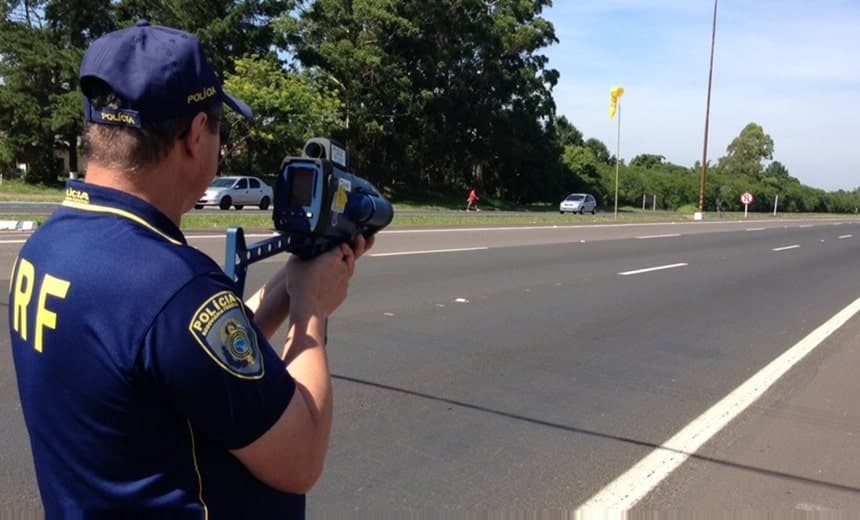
<point x="222" y="329"/>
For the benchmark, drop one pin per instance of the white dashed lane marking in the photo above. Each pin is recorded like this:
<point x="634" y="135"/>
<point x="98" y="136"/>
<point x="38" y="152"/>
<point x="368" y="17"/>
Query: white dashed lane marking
<point x="431" y="251"/>
<point x="651" y="269"/>
<point x="785" y="248"/>
<point x="667" y="235"/>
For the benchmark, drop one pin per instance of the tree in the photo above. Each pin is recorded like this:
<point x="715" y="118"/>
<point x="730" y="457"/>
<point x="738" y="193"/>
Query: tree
<point x="440" y="92"/>
<point x="351" y="44"/>
<point x="567" y="133"/>
<point x="776" y="169"/>
<point x="601" y="153"/>
<point x="42" y="43"/>
<point x="293" y="107"/>
<point x="747" y="150"/>
<point x="581" y="162"/>
<point x="227" y="29"/>
<point x="647" y="161"/>
<point x="724" y="198"/>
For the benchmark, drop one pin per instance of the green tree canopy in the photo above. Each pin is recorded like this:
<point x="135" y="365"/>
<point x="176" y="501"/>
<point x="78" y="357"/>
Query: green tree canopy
<point x="289" y="108"/>
<point x="227" y="29"/>
<point x="648" y="161"/>
<point x="747" y="151"/>
<point x="778" y="170"/>
<point x="439" y="92"/>
<point x="41" y="43"/>
<point x="600" y="151"/>
<point x="568" y="134"/>
<point x="581" y="161"/>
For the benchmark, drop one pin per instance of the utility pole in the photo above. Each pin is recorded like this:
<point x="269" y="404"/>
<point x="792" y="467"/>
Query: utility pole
<point x="707" y="116"/>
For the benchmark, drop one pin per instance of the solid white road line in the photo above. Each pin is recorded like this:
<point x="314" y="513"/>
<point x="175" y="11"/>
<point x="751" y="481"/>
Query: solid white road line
<point x="222" y="235"/>
<point x="624" y="492"/>
<point x="785" y="248"/>
<point x="843" y="237"/>
<point x="667" y="235"/>
<point x="650" y="269"/>
<point x="430" y="251"/>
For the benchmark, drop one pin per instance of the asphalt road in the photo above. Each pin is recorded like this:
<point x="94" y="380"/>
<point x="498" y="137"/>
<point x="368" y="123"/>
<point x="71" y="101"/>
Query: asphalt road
<point x="518" y="369"/>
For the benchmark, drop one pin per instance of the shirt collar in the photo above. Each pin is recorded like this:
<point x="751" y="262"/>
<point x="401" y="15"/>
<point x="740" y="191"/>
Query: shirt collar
<point x="100" y="199"/>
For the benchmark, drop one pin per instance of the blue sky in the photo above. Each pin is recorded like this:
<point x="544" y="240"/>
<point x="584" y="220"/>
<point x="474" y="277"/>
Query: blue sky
<point x="792" y="66"/>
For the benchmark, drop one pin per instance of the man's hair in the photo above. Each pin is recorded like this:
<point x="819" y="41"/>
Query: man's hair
<point x="131" y="149"/>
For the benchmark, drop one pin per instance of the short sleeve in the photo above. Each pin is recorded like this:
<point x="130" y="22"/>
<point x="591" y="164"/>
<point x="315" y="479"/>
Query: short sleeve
<point x="214" y="364"/>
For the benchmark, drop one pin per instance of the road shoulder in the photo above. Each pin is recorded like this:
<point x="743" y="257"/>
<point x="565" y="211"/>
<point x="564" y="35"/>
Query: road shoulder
<point x="795" y="451"/>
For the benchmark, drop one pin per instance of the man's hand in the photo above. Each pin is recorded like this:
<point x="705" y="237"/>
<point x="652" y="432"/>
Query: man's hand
<point x="319" y="285"/>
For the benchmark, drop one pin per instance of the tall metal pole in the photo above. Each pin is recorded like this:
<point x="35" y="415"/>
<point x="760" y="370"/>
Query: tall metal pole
<point x="617" y="156"/>
<point x="707" y="115"/>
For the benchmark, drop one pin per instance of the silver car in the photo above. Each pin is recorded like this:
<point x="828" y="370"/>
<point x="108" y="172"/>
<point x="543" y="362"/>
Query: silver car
<point x="578" y="203"/>
<point x="237" y="192"/>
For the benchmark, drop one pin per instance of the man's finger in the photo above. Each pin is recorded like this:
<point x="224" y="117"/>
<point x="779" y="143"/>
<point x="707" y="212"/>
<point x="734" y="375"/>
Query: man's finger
<point x="349" y="258"/>
<point x="360" y="245"/>
<point x="368" y="243"/>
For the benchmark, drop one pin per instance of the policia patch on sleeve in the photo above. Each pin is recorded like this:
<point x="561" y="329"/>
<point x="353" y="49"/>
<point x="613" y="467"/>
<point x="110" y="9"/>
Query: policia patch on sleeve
<point x="221" y="327"/>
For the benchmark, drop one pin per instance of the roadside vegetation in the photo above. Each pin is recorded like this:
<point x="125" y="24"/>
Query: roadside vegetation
<point x="20" y="191"/>
<point x="415" y="211"/>
<point x="428" y="104"/>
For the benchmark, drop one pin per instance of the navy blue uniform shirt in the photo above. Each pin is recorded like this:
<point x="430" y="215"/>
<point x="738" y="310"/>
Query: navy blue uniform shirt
<point x="139" y="368"/>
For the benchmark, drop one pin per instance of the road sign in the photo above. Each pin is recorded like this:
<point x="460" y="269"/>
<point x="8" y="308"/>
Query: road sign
<point x="746" y="198"/>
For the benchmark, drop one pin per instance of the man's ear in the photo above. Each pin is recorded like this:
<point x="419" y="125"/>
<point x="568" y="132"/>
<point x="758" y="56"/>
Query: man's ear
<point x="194" y="137"/>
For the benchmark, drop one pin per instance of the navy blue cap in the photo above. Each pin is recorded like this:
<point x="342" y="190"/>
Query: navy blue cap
<point x="159" y="71"/>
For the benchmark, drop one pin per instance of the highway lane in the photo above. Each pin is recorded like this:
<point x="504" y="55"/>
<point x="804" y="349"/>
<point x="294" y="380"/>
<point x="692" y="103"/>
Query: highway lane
<point x="556" y="374"/>
<point x="528" y="376"/>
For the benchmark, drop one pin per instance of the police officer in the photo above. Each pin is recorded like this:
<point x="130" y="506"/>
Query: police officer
<point x="148" y="387"/>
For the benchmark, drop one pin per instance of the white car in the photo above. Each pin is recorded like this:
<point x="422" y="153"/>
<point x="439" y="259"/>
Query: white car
<point x="237" y="192"/>
<point x="578" y="203"/>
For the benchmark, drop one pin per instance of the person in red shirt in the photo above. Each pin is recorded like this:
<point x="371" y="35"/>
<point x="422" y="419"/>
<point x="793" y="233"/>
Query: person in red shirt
<point x="472" y="201"/>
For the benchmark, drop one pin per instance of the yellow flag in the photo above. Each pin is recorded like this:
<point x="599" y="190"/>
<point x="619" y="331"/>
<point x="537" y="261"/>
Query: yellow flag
<point x="614" y="93"/>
